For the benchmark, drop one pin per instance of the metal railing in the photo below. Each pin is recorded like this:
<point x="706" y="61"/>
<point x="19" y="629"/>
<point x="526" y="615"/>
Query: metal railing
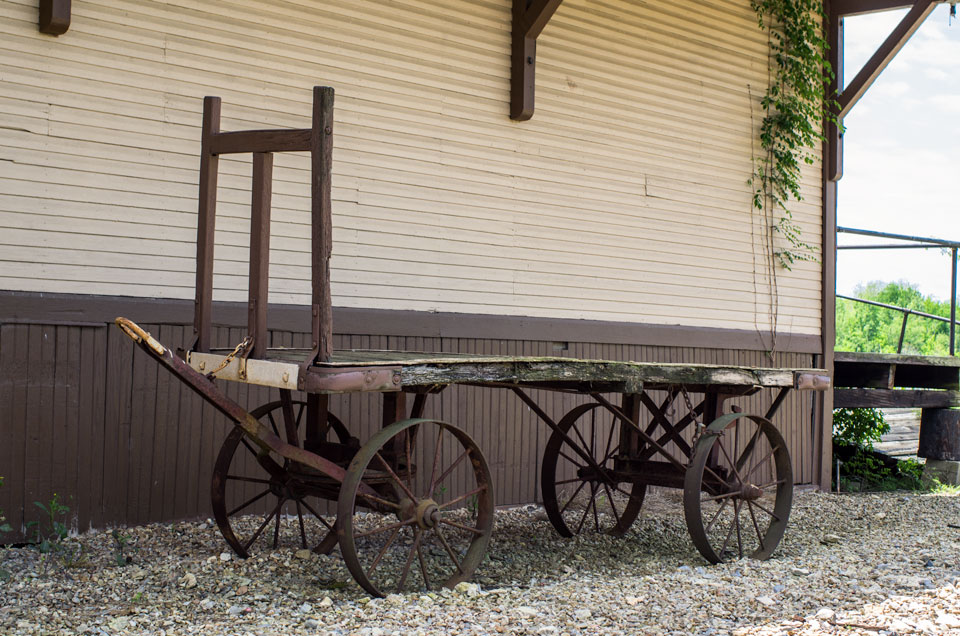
<point x="912" y="242"/>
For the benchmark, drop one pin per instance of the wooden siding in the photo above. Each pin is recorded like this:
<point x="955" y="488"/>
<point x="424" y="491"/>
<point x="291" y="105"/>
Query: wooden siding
<point x="87" y="416"/>
<point x="625" y="198"/>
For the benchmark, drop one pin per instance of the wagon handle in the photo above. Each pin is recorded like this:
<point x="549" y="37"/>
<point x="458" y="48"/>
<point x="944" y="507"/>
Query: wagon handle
<point x="138" y="335"/>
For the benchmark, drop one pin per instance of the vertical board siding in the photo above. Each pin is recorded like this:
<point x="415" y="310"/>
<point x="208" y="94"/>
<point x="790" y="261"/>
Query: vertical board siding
<point x="89" y="417"/>
<point x="597" y="208"/>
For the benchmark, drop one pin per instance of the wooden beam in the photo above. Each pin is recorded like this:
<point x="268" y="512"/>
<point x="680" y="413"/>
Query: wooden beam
<point x="54" y="17"/>
<point x="884" y="55"/>
<point x="897" y="398"/>
<point x="860" y="7"/>
<point x="536" y="15"/>
<point x="529" y="19"/>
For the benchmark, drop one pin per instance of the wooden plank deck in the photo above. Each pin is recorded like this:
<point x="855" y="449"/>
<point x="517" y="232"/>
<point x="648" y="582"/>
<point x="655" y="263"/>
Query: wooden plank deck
<point x="424" y="369"/>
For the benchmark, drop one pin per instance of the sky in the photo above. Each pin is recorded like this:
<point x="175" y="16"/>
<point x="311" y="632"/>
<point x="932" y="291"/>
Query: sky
<point x="902" y="153"/>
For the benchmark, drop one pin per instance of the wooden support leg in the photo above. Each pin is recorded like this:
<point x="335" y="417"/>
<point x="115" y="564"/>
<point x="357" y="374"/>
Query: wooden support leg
<point x="629" y="439"/>
<point x="315" y="430"/>
<point x="289" y="418"/>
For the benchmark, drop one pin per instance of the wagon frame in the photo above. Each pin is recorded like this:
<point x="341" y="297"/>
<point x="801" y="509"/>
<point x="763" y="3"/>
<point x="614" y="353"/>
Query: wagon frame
<point x="733" y="467"/>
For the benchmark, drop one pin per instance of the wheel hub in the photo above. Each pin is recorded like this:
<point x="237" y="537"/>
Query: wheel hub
<point x="427" y="513"/>
<point x="751" y="492"/>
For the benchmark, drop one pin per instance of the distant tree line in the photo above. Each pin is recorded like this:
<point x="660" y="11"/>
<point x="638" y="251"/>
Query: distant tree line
<point x="862" y="327"/>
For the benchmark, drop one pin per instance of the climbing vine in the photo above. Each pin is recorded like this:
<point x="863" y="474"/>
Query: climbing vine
<point x="795" y="107"/>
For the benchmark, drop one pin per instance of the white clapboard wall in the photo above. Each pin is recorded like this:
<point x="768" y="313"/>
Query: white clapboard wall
<point x="625" y="198"/>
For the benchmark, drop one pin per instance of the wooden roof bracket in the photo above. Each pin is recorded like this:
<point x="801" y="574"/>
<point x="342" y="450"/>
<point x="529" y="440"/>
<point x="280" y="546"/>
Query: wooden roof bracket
<point x="529" y="18"/>
<point x="54" y="17"/>
<point x="849" y="96"/>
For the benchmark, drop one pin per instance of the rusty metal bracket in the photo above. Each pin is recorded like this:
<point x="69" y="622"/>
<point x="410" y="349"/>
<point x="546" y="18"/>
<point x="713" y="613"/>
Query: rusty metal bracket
<point x="352" y="379"/>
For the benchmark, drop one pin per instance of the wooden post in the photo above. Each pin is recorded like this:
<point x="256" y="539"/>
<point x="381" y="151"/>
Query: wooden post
<point x="259" y="252"/>
<point x="206" y="222"/>
<point x="321" y="152"/>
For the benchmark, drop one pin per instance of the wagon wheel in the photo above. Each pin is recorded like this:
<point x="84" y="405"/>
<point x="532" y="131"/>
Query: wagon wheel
<point x="579" y="495"/>
<point x="431" y="517"/>
<point x="738" y="507"/>
<point x="243" y="479"/>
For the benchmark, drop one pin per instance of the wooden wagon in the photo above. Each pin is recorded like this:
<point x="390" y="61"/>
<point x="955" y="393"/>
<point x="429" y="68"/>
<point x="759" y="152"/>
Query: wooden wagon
<point x="414" y="503"/>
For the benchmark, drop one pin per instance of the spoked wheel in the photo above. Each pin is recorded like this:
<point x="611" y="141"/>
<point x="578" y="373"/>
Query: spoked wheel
<point x="245" y="481"/>
<point x="415" y="509"/>
<point x="738" y="489"/>
<point x="581" y="496"/>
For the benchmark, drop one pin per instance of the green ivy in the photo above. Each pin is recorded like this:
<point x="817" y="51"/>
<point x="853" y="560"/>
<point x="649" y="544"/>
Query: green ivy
<point x="795" y="107"/>
<point x="859" y="427"/>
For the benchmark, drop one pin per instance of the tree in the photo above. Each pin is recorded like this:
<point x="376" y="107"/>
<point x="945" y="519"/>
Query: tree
<point x="867" y="328"/>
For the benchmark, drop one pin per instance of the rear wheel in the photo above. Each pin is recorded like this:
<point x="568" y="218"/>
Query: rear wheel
<point x="261" y="499"/>
<point x="587" y="496"/>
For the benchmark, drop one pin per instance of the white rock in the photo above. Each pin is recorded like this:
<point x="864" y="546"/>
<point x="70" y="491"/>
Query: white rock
<point x="829" y="539"/>
<point x="632" y="600"/>
<point x="467" y="589"/>
<point x="582" y="614"/>
<point x="766" y="600"/>
<point x="525" y="611"/>
<point x="235" y="610"/>
<point x="394" y="599"/>
<point x="188" y="581"/>
<point x="948" y="620"/>
<point x="799" y="571"/>
<point x="303" y="554"/>
<point x="306" y="608"/>
<point x="326" y="602"/>
<point x="225" y="556"/>
<point x="825" y="614"/>
<point x="207" y="604"/>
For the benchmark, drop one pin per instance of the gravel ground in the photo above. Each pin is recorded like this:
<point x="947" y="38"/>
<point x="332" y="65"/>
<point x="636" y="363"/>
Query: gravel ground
<point x="850" y="564"/>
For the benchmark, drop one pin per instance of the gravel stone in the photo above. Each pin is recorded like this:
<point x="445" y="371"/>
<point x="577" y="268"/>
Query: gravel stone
<point x="861" y="578"/>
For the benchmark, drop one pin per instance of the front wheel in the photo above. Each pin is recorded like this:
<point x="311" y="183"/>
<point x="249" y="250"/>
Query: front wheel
<point x="415" y="508"/>
<point x="738" y="489"/>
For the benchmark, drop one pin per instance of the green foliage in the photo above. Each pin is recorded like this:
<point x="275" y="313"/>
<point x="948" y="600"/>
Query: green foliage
<point x="4" y="526"/>
<point x="856" y="430"/>
<point x="939" y="488"/>
<point x="862" y="327"/>
<point x="51" y="530"/>
<point x="50" y="533"/>
<point x="859" y="427"/>
<point x="795" y="107"/>
<point x="120" y="542"/>
<point x="870" y="473"/>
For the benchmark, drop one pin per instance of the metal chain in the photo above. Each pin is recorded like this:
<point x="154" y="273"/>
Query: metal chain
<point x="693" y="413"/>
<point x="240" y="347"/>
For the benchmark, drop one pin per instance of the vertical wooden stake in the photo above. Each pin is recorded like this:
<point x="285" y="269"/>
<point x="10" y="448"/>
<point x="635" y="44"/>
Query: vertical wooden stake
<point x="260" y="251"/>
<point x="321" y="153"/>
<point x="206" y="223"/>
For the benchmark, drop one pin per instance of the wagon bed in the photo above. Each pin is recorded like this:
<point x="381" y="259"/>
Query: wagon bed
<point x="379" y="370"/>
